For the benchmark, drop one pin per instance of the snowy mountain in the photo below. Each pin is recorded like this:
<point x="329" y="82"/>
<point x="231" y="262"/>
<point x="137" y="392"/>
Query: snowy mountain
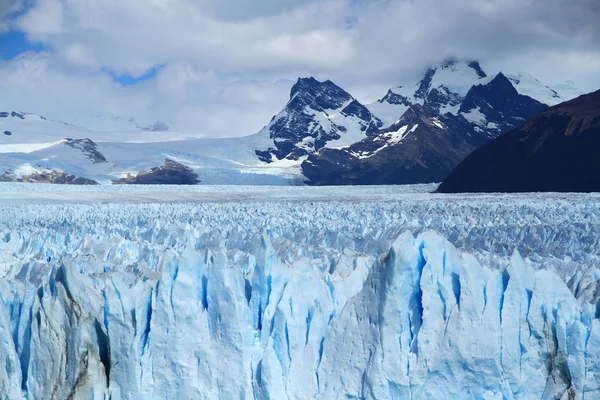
<point x="278" y="296"/>
<point x="318" y="114"/>
<point x="34" y="129"/>
<point x="442" y="88"/>
<point x="32" y="146"/>
<point x="453" y="110"/>
<point x="115" y="123"/>
<point x="415" y="133"/>
<point x="445" y="87"/>
<point x="556" y="150"/>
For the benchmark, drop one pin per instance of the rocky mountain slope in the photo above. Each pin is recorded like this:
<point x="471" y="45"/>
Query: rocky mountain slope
<point x="317" y="114"/>
<point x="323" y="135"/>
<point x="554" y="151"/>
<point x="452" y="111"/>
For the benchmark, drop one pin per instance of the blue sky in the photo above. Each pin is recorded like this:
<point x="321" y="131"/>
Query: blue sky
<point x="14" y="42"/>
<point x="128" y="80"/>
<point x="227" y="66"/>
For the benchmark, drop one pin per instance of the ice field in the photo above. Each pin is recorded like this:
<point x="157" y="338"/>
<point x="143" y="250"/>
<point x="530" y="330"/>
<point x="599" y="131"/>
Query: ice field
<point x="236" y="292"/>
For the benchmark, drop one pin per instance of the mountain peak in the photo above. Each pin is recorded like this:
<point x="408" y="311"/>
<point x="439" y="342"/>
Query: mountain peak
<point x="316" y="114"/>
<point x="455" y="65"/>
<point x="555" y="151"/>
<point x="304" y="84"/>
<point x="451" y="77"/>
<point x="462" y="66"/>
<point x="312" y="85"/>
<point x="502" y="84"/>
<point x="309" y="80"/>
<point x="448" y="63"/>
<point x="309" y="92"/>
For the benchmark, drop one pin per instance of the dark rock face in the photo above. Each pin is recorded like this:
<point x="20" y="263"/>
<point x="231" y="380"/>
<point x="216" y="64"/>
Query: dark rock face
<point x="87" y="147"/>
<point x="57" y="178"/>
<point x="48" y="176"/>
<point x="297" y="131"/>
<point x="156" y="127"/>
<point x="503" y="107"/>
<point x="169" y="173"/>
<point x="475" y="65"/>
<point x="434" y="144"/>
<point x="425" y="84"/>
<point x="357" y="110"/>
<point x="395" y="98"/>
<point x="7" y="176"/>
<point x="327" y="95"/>
<point x="555" y="151"/>
<point x="418" y="148"/>
<point x="13" y="114"/>
<point x="435" y="98"/>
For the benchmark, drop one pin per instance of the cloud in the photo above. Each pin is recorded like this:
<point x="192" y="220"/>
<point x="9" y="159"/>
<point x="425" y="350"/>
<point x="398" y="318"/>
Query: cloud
<point x="188" y="99"/>
<point x="229" y="64"/>
<point x="7" y="9"/>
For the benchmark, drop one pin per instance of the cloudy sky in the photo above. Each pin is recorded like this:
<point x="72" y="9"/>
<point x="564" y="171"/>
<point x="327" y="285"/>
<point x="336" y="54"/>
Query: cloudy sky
<point x="224" y="67"/>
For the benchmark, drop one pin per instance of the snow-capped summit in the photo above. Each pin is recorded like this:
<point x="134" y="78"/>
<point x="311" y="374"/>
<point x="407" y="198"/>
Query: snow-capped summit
<point x="435" y="124"/>
<point x="442" y="89"/>
<point x="310" y="92"/>
<point x="497" y="107"/>
<point x="555" y="151"/>
<point x="318" y="114"/>
<point x="417" y="132"/>
<point x="455" y="77"/>
<point x="531" y="86"/>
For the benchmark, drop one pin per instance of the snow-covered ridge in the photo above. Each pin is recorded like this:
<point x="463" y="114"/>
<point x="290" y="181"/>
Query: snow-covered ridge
<point x="319" y="115"/>
<point x="452" y="80"/>
<point x="299" y="298"/>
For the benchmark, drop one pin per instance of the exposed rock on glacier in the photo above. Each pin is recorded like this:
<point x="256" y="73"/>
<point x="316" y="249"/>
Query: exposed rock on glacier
<point x="169" y="173"/>
<point x="421" y="321"/>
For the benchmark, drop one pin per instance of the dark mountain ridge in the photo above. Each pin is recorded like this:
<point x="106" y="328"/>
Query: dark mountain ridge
<point x="435" y="143"/>
<point x="557" y="150"/>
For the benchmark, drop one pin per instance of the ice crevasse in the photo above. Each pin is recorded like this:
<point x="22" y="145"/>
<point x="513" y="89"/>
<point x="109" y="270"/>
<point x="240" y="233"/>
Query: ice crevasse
<point x="420" y="322"/>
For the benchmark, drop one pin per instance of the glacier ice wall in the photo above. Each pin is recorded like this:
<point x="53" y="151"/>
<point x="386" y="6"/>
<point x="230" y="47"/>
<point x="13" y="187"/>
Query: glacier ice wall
<point x="421" y="321"/>
<point x="300" y="300"/>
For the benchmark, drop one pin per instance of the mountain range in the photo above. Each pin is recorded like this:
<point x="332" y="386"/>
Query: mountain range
<point x="450" y="113"/>
<point x="556" y="151"/>
<point x="415" y="133"/>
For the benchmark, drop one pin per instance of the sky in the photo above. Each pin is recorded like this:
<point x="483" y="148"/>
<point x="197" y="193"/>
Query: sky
<point x="224" y="68"/>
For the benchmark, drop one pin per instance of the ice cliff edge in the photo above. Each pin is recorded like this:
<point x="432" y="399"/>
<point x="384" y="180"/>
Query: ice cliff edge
<point x="422" y="322"/>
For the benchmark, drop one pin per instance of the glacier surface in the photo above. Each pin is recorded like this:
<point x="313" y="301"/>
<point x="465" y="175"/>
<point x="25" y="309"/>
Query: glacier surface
<point x="299" y="293"/>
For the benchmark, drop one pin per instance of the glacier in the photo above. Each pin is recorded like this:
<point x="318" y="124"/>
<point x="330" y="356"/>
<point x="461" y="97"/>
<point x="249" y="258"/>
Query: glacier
<point x="296" y="293"/>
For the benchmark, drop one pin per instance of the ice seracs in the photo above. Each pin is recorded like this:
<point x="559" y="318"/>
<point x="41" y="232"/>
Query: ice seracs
<point x="149" y="312"/>
<point x="207" y="297"/>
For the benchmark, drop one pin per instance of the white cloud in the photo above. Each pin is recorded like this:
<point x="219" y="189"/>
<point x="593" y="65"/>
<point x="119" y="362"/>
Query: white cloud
<point x="44" y="19"/>
<point x="79" y="55"/>
<point x="229" y="64"/>
<point x="7" y="8"/>
<point x="187" y="99"/>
